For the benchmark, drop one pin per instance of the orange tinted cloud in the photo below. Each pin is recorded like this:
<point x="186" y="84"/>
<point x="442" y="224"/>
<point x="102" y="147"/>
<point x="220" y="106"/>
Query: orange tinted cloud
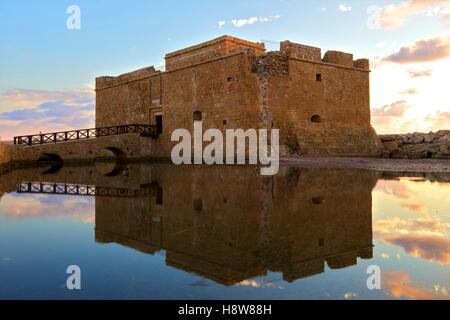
<point x="422" y="51"/>
<point x="410" y="91"/>
<point x="396" y="109"/>
<point x="394" y="188"/>
<point x="389" y="114"/>
<point x="35" y="206"/>
<point x="428" y="248"/>
<point x="417" y="207"/>
<point x="26" y="98"/>
<point x="387" y="229"/>
<point x="394" y="16"/>
<point x="399" y="285"/>
<point x="441" y="119"/>
<point x="420" y="73"/>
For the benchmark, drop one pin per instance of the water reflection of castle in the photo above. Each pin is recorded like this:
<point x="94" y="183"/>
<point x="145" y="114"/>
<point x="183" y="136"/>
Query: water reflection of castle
<point x="230" y="224"/>
<point x="225" y="223"/>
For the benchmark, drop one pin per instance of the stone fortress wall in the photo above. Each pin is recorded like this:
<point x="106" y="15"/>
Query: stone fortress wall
<point x="321" y="105"/>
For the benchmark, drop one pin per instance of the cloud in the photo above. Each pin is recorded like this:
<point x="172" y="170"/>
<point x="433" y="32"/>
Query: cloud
<point x="399" y="285"/>
<point x="344" y="7"/>
<point x="428" y="248"/>
<point x="424" y="238"/>
<point x="47" y="117"/>
<point x="422" y="51"/>
<point x="242" y="22"/>
<point x="389" y="228"/>
<point x="420" y="73"/>
<point x="384" y="256"/>
<point x="52" y="111"/>
<point x="238" y="23"/>
<point x="46" y="111"/>
<point x="440" y="119"/>
<point x="394" y="16"/>
<point x="410" y="91"/>
<point x="396" y="109"/>
<point x="259" y="284"/>
<point x="350" y="295"/>
<point x="28" y="98"/>
<point x="416" y="207"/>
<point x="80" y="209"/>
<point x="396" y="189"/>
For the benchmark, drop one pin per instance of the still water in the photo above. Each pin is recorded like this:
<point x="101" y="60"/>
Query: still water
<point x="163" y="232"/>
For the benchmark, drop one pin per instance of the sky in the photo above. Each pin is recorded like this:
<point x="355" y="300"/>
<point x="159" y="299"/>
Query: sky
<point x="48" y="71"/>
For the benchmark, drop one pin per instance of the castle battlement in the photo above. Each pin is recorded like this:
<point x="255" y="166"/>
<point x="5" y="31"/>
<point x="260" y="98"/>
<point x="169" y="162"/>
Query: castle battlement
<point x="227" y="45"/>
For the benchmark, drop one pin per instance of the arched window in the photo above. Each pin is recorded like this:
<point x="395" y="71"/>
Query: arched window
<point x="316" y="119"/>
<point x="197" y="116"/>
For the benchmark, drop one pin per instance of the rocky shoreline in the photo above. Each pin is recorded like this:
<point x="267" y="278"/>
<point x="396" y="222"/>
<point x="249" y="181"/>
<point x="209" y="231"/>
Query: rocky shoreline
<point x="433" y="145"/>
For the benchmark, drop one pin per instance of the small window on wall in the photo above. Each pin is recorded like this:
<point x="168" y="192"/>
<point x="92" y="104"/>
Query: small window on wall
<point x="159" y="123"/>
<point x="159" y="196"/>
<point x="197" y="116"/>
<point x="318" y="77"/>
<point x="198" y="204"/>
<point x="316" y="119"/>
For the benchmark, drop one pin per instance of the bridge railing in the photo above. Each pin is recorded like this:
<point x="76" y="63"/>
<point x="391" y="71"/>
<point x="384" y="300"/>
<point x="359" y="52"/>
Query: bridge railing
<point x="83" y="134"/>
<point x="80" y="190"/>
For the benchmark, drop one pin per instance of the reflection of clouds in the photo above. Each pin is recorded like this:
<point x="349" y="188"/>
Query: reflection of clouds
<point x="396" y="226"/>
<point x="395" y="188"/>
<point x="384" y="255"/>
<point x="32" y="206"/>
<point x="428" y="248"/>
<point x="420" y="238"/>
<point x="258" y="284"/>
<point x="350" y="295"/>
<point x="399" y="285"/>
<point x="417" y="207"/>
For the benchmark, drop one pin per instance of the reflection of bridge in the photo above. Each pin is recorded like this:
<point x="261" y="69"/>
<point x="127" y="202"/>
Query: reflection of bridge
<point x="84" y="134"/>
<point x="81" y="190"/>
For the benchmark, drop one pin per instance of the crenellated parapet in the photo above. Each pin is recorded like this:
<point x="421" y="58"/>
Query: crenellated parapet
<point x="314" y="54"/>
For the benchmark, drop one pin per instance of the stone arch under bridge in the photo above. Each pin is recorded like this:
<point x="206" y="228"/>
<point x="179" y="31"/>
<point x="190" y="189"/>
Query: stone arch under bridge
<point x="111" y="148"/>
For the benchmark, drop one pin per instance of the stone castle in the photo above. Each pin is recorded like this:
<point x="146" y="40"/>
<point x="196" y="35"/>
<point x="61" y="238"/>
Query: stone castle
<point x="321" y="105"/>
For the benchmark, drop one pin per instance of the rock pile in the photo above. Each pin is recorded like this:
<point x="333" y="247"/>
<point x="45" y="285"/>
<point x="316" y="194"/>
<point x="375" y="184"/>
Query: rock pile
<point x="417" y="145"/>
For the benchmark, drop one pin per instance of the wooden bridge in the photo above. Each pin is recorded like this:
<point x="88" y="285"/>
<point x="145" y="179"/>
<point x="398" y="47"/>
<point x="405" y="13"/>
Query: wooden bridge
<point x="144" y="130"/>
